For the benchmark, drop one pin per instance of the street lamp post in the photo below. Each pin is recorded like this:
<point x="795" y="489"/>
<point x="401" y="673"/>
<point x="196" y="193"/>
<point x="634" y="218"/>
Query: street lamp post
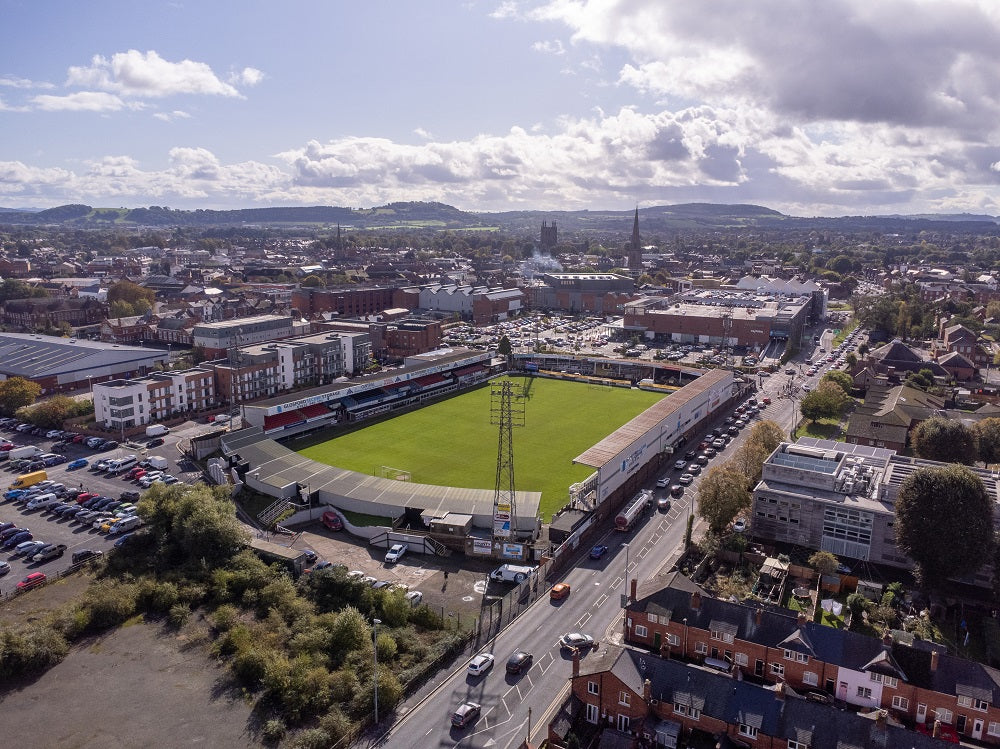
<point x="375" y="624"/>
<point x="625" y="594"/>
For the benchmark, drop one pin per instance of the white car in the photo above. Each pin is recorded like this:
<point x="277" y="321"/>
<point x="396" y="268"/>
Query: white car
<point x="481" y="664"/>
<point x="740" y="525"/>
<point x="662" y="483"/>
<point x="395" y="553"/>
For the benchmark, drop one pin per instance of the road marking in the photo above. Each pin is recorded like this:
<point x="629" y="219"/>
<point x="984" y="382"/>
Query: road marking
<point x="584" y="619"/>
<point x="616" y="582"/>
<point x="600" y="600"/>
<point x="643" y="551"/>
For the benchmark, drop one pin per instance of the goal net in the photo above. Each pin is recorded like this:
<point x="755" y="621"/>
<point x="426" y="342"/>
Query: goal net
<point x="388" y="472"/>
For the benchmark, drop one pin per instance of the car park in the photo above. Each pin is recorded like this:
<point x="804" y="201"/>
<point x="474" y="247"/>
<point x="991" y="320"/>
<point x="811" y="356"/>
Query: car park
<point x="519" y="662"/>
<point x="465" y="714"/>
<point x="676" y="490"/>
<point x="51" y="551"/>
<point x="577" y="641"/>
<point x="24" y="535"/>
<point x="32" y="581"/>
<point x="598" y="551"/>
<point x="82" y="555"/>
<point x="480" y="664"/>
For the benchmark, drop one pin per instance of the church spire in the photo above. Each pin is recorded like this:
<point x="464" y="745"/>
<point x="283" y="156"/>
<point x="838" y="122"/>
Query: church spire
<point x="635" y="230"/>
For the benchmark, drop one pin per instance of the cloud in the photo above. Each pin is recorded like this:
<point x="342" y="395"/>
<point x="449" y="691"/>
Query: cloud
<point x="15" y="82"/>
<point x="83" y="101"/>
<point x="148" y="75"/>
<point x="247" y="77"/>
<point x="425" y="134"/>
<point x="550" y="47"/>
<point x="177" y="114"/>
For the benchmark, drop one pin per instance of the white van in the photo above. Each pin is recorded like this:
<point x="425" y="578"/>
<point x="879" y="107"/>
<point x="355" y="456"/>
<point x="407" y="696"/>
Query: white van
<point x="125" y="525"/>
<point x="42" y="500"/>
<point x="121" y="464"/>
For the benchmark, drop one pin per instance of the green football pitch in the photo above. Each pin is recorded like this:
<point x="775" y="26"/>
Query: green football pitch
<point x="453" y="443"/>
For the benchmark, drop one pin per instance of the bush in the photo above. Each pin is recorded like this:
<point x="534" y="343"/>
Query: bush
<point x="311" y="738"/>
<point x="225" y="617"/>
<point x="250" y="666"/>
<point x="178" y="615"/>
<point x="109" y="603"/>
<point x="336" y="724"/>
<point x="273" y="731"/>
<point x="30" y="649"/>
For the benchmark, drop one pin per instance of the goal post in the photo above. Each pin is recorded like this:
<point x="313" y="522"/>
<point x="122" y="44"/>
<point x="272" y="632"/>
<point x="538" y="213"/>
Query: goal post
<point x="397" y="474"/>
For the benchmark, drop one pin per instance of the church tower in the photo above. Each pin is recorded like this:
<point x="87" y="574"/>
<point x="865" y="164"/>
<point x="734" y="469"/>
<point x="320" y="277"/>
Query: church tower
<point x="634" y="249"/>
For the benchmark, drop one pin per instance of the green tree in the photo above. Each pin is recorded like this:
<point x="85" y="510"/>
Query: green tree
<point x="944" y="522"/>
<point x="987" y="434"/>
<point x="767" y="435"/>
<point x="140" y="299"/>
<point x="863" y="349"/>
<point x="851" y="359"/>
<point x="722" y="494"/>
<point x="313" y="281"/>
<point x="52" y="412"/>
<point x="839" y="378"/>
<point x="748" y="461"/>
<point x="826" y="401"/>
<point x="945" y="440"/>
<point x="120" y="308"/>
<point x="16" y="392"/>
<point x="824" y="562"/>
<point x="503" y="346"/>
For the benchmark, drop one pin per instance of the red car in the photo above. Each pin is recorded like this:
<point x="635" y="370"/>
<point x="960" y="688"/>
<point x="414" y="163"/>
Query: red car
<point x="32" y="581"/>
<point x="81" y="498"/>
<point x="766" y="401"/>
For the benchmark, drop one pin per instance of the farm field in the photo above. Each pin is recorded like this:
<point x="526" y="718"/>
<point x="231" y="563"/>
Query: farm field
<point x="453" y="443"/>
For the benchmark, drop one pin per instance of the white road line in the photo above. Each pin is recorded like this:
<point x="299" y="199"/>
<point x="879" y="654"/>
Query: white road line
<point x="600" y="600"/>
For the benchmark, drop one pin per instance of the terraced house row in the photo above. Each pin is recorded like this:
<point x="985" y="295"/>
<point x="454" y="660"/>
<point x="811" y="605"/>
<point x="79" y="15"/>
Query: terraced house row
<point x="916" y="683"/>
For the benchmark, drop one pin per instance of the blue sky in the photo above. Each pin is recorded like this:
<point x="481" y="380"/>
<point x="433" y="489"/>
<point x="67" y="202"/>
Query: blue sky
<point x="853" y="107"/>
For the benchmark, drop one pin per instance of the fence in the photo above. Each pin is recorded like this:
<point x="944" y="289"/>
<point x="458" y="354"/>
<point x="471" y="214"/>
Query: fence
<point x="49" y="578"/>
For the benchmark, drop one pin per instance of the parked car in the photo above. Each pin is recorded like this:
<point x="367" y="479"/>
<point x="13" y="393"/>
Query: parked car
<point x="83" y="555"/>
<point x="32" y="581"/>
<point x="480" y="664"/>
<point x="155" y="442"/>
<point x="395" y="553"/>
<point x="19" y="537"/>
<point x="4" y="567"/>
<point x="664" y="482"/>
<point x="598" y="551"/>
<point x="49" y="552"/>
<point x="78" y="463"/>
<point x="28" y="548"/>
<point x="685" y="479"/>
<point x="663" y="504"/>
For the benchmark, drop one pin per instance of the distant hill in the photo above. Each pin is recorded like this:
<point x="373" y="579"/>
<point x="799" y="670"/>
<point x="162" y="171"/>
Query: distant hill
<point x="685" y="217"/>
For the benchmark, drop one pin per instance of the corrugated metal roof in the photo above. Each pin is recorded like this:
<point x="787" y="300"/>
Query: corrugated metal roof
<point x="611" y="446"/>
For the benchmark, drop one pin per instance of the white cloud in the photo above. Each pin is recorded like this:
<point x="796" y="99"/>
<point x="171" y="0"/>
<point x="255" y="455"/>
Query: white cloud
<point x="177" y="114"/>
<point x="82" y="101"/>
<point x="247" y="77"/>
<point x="15" y="82"/>
<point x="549" y="47"/>
<point x="138" y="74"/>
<point x="425" y="134"/>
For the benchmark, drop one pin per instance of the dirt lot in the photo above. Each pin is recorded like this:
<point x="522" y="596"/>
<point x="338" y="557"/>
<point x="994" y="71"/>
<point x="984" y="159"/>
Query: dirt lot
<point x="139" y="686"/>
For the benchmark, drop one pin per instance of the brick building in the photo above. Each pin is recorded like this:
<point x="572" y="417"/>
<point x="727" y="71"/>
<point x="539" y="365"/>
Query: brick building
<point x="33" y="314"/>
<point x="346" y="302"/>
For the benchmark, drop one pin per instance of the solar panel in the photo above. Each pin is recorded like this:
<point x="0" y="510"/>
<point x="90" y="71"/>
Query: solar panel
<point x="804" y="463"/>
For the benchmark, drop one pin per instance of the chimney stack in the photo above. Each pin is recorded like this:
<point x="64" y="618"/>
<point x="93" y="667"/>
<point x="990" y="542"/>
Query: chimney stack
<point x="696" y="600"/>
<point x="758" y="615"/>
<point x="934" y="661"/>
<point x="646" y="691"/>
<point x="576" y="662"/>
<point x="633" y="585"/>
<point x="801" y="620"/>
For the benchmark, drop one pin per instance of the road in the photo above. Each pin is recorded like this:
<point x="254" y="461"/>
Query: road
<point x="593" y="607"/>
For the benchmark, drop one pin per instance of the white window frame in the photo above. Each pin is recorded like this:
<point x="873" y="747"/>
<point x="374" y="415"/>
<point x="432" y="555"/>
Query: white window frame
<point x="640" y="631"/>
<point x="741" y="659"/>
<point x="900" y="702"/>
<point x="593" y="688"/>
<point x="593" y="714"/>
<point x="993" y="729"/>
<point x="864" y="692"/>
<point x="811" y="678"/>
<point x="980" y="705"/>
<point x="801" y="658"/>
<point x="964" y="701"/>
<point x="721" y="636"/>
<point x="792" y="744"/>
<point x="700" y="648"/>
<point x="749" y="731"/>
<point x="777" y="669"/>
<point x="673" y="640"/>
<point x="624" y="698"/>
<point x="943" y="714"/>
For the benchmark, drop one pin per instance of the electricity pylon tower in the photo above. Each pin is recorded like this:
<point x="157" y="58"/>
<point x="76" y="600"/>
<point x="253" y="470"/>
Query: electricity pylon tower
<point x="507" y="412"/>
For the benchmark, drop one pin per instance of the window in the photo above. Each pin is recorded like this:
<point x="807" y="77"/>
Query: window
<point x="865" y="693"/>
<point x="900" y="703"/>
<point x="993" y="729"/>
<point x="592" y="713"/>
<point x="980" y="705"/>
<point x="640" y="631"/>
<point x="624" y="698"/>
<point x="622" y="722"/>
<point x="748" y="731"/>
<point x="777" y="669"/>
<point x="890" y="681"/>
<point x="801" y="658"/>
<point x="701" y="648"/>
<point x="964" y="701"/>
<point x="943" y="715"/>
<point x="673" y="640"/>
<point x="740" y="659"/>
<point x="811" y="678"/>
<point x="723" y="636"/>
<point x="592" y="688"/>
<point x="797" y="745"/>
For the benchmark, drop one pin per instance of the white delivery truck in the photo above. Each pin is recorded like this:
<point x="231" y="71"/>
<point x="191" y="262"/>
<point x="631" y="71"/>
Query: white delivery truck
<point x="512" y="573"/>
<point x="157" y="462"/>
<point x="156" y="430"/>
<point x="28" y="451"/>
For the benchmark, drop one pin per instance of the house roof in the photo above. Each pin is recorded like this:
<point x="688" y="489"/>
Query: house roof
<point x="955" y="359"/>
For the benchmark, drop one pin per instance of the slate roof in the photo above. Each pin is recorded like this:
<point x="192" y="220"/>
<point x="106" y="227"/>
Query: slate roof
<point x="955" y="359"/>
<point x="778" y="714"/>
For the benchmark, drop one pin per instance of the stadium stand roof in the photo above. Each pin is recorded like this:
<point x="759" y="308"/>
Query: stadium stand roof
<point x="34" y="356"/>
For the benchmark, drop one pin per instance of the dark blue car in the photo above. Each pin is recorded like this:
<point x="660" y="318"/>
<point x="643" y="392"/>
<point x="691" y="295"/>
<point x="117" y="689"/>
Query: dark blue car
<point x="598" y="551"/>
<point x="78" y="463"/>
<point x="17" y="538"/>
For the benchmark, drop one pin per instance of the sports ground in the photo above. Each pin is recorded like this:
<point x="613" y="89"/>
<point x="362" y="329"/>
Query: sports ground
<point x="453" y="443"/>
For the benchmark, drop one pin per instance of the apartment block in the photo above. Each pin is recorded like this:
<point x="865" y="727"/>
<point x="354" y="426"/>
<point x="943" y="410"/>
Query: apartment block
<point x="218" y="337"/>
<point x="123" y="404"/>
